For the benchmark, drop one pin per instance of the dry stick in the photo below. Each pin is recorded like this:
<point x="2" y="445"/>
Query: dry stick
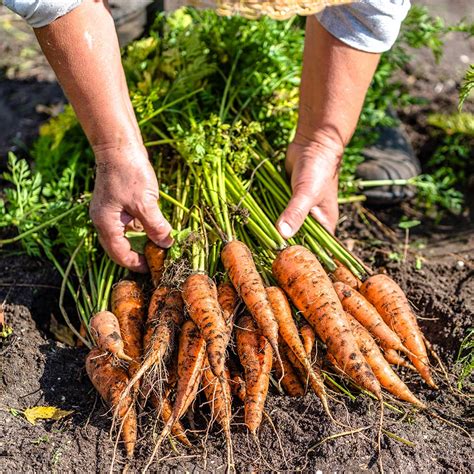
<point x="63" y="290"/>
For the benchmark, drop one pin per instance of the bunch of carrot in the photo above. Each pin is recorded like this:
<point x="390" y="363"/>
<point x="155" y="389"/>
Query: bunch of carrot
<point x="227" y="339"/>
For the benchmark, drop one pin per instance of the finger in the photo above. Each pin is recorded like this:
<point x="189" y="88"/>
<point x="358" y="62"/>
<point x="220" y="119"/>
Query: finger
<point x="293" y="216"/>
<point x="327" y="219"/>
<point x="119" y="250"/>
<point x="156" y="226"/>
<point x="134" y="225"/>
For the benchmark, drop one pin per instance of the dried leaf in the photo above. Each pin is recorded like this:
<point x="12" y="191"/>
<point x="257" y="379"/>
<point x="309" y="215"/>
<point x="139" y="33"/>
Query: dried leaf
<point x="61" y="332"/>
<point x="45" y="413"/>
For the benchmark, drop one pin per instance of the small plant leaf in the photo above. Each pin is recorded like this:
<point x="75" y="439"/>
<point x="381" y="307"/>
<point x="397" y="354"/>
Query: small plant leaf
<point x="45" y="413"/>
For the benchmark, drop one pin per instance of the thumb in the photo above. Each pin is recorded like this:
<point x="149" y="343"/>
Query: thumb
<point x="293" y="216"/>
<point x="156" y="226"/>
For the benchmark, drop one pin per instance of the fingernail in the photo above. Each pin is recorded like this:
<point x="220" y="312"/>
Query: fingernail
<point x="285" y="230"/>
<point x="167" y="243"/>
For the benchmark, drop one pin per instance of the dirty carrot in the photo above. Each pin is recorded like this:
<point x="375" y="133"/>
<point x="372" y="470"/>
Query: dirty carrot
<point x="110" y="381"/>
<point x="238" y="262"/>
<point x="344" y="275"/>
<point x="289" y="333"/>
<point x="105" y="330"/>
<point x="155" y="258"/>
<point x="228" y="301"/>
<point x="392" y="304"/>
<point x="303" y="278"/>
<point x="127" y="303"/>
<point x="200" y="296"/>
<point x="381" y="368"/>
<point x="289" y="379"/>
<point x="394" y="358"/>
<point x="255" y="354"/>
<point x="358" y="307"/>
<point x="308" y="337"/>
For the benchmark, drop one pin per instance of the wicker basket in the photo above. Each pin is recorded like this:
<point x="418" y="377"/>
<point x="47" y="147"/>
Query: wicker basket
<point x="277" y="9"/>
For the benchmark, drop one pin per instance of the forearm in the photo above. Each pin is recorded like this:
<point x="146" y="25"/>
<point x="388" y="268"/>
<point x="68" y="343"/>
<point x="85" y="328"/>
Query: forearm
<point x="82" y="48"/>
<point x="334" y="82"/>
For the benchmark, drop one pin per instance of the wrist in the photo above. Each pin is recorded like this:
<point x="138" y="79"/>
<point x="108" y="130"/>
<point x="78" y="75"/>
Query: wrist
<point x="320" y="142"/>
<point x="115" y="152"/>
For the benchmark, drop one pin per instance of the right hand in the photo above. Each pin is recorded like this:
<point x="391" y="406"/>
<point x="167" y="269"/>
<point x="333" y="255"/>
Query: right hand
<point x="125" y="189"/>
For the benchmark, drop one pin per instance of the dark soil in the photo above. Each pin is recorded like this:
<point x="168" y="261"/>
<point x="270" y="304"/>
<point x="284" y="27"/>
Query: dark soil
<point x="36" y="369"/>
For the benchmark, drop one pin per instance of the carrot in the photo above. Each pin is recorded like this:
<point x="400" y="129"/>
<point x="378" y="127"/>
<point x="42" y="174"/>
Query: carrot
<point x="200" y="296"/>
<point x="303" y="278"/>
<point x="218" y="393"/>
<point x="105" y="329"/>
<point x="308" y="337"/>
<point x="382" y="370"/>
<point x="392" y="304"/>
<point x="228" y="301"/>
<point x="165" y="409"/>
<point x="255" y="354"/>
<point x="289" y="333"/>
<point x="155" y="258"/>
<point x="110" y="381"/>
<point x="394" y="358"/>
<point x="165" y="314"/>
<point x="358" y="307"/>
<point x="289" y="378"/>
<point x="238" y="262"/>
<point x="237" y="383"/>
<point x="191" y="355"/>
<point x="127" y="303"/>
<point x="344" y="275"/>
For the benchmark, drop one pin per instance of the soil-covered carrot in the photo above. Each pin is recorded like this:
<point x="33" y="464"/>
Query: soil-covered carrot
<point x="228" y="301"/>
<point x="392" y="304"/>
<point x="237" y="382"/>
<point x="128" y="305"/>
<point x="165" y="409"/>
<point x="344" y="275"/>
<point x="165" y="315"/>
<point x="155" y="258"/>
<point x="394" y="358"/>
<point x="105" y="329"/>
<point x="289" y="333"/>
<point x="358" y="307"/>
<point x="303" y="278"/>
<point x="289" y="379"/>
<point x="308" y="337"/>
<point x="110" y="380"/>
<point x="255" y="354"/>
<point x="238" y="262"/>
<point x="200" y="296"/>
<point x="381" y="368"/>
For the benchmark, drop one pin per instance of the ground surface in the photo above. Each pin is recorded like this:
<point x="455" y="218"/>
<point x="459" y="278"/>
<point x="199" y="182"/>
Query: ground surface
<point x="36" y="369"/>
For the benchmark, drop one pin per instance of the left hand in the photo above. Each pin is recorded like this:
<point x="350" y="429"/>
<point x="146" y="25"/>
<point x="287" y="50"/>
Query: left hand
<point x="314" y="170"/>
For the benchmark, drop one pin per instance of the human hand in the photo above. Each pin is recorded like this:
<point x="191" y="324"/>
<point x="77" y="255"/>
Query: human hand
<point x="126" y="189"/>
<point x="314" y="170"/>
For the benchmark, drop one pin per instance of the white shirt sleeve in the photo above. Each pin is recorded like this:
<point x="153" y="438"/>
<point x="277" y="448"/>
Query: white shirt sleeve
<point x="40" y="13"/>
<point x="368" y="25"/>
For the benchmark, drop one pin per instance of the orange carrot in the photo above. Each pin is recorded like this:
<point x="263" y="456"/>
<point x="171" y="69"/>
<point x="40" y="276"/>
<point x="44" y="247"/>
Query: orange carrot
<point x="155" y="258"/>
<point x="289" y="333"/>
<point x="344" y="275"/>
<point x="105" y="330"/>
<point x="165" y="314"/>
<point x="128" y="305"/>
<point x="255" y="355"/>
<point x="358" y="307"/>
<point x="394" y="358"/>
<point x="238" y="262"/>
<point x="289" y="379"/>
<point x="200" y="296"/>
<point x="392" y="304"/>
<point x="228" y="301"/>
<point x="110" y="381"/>
<point x="381" y="368"/>
<point x="237" y="383"/>
<point x="165" y="409"/>
<point x="303" y="278"/>
<point x="218" y="394"/>
<point x="309" y="338"/>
